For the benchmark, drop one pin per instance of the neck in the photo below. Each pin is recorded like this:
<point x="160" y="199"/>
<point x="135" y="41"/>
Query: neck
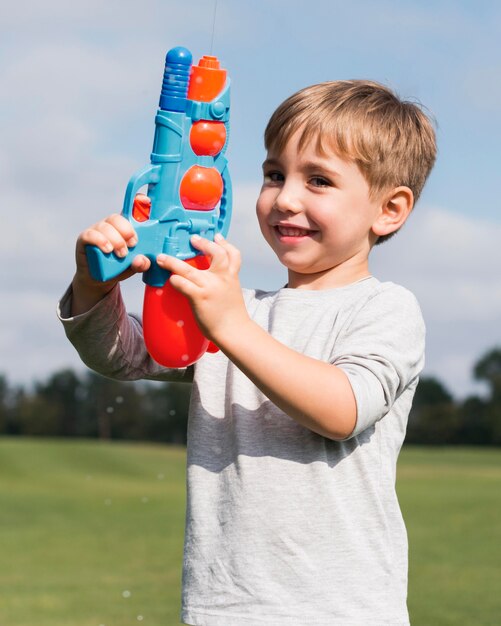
<point x="332" y="278"/>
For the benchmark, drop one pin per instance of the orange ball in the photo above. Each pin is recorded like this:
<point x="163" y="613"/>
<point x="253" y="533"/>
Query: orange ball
<point x="207" y="138"/>
<point x="201" y="188"/>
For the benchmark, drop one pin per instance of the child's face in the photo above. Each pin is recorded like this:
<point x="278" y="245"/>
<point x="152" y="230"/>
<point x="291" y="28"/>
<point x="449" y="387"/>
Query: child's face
<point x="316" y="214"/>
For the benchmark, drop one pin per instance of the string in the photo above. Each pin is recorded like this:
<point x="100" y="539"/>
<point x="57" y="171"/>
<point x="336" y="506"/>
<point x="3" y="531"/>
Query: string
<point x="213" y="27"/>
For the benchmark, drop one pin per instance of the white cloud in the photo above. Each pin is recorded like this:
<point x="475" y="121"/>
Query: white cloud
<point x="451" y="261"/>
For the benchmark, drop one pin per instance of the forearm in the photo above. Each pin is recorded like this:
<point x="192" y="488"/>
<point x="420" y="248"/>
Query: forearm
<point x="316" y="394"/>
<point x="84" y="298"/>
<point x="110" y="341"/>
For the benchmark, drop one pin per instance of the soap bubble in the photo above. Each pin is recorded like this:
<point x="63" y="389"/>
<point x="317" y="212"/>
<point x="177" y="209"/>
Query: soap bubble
<point x="126" y="593"/>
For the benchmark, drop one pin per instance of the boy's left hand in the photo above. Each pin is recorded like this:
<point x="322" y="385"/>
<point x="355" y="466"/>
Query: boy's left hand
<point x="215" y="294"/>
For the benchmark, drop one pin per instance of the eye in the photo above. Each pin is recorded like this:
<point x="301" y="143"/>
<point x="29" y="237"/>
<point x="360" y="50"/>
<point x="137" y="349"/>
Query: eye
<point x="319" y="181"/>
<point x="273" y="176"/>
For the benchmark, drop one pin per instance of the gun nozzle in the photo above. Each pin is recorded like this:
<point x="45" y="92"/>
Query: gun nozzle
<point x="207" y="79"/>
<point x="210" y="62"/>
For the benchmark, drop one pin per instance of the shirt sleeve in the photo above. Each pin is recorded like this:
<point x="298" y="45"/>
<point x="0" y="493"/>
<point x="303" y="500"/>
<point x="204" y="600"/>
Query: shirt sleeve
<point x="110" y="341"/>
<point x="382" y="352"/>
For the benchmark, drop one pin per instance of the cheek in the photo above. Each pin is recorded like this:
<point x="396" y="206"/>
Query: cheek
<point x="262" y="213"/>
<point x="262" y="208"/>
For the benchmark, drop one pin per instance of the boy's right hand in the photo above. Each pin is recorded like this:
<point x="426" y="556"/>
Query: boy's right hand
<point x="113" y="234"/>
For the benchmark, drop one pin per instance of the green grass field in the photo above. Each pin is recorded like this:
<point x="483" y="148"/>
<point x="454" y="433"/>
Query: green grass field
<point x="91" y="534"/>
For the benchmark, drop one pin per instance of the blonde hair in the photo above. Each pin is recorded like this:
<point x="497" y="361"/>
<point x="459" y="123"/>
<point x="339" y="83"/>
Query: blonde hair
<point x="392" y="141"/>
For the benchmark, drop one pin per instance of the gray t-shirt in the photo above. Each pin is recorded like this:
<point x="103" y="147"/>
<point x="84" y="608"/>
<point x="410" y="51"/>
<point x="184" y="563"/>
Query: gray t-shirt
<point x="285" y="527"/>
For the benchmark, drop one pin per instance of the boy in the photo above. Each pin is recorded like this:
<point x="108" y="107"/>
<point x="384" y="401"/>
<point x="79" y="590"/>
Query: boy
<point x="296" y="424"/>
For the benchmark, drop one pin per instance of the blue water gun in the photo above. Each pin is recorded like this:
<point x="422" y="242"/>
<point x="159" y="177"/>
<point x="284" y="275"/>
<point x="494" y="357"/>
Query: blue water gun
<point x="188" y="192"/>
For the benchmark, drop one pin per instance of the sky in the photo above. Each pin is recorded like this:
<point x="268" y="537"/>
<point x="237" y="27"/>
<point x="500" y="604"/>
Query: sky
<point x="80" y="86"/>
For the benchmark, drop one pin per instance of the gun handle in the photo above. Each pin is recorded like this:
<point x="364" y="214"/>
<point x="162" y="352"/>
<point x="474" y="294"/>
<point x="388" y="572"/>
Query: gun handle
<point x="105" y="266"/>
<point x="171" y="333"/>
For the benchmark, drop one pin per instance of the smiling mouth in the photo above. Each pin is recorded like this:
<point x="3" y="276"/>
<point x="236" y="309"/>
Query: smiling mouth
<point x="292" y="231"/>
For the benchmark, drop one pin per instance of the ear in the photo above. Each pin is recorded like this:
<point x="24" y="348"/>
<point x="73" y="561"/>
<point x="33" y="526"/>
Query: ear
<point x="395" y="209"/>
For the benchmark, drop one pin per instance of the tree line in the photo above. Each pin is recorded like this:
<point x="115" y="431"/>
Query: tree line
<point x="71" y="404"/>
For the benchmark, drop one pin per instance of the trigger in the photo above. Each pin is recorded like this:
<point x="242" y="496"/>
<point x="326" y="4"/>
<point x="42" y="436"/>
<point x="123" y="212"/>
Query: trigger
<point x="141" y="208"/>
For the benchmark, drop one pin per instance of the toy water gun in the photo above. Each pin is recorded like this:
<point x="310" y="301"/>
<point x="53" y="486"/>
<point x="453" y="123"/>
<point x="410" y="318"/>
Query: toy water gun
<point x="189" y="192"/>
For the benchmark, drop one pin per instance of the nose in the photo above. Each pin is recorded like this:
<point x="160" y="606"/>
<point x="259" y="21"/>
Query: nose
<point x="287" y="200"/>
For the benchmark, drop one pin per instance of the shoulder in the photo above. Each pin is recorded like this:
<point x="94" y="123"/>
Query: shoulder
<point x="388" y="294"/>
<point x="386" y="297"/>
<point x="259" y="297"/>
<point x="386" y="310"/>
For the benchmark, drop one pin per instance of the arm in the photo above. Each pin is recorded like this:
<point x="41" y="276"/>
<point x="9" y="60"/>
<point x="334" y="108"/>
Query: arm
<point x="110" y="341"/>
<point x="316" y="394"/>
<point x="92" y="312"/>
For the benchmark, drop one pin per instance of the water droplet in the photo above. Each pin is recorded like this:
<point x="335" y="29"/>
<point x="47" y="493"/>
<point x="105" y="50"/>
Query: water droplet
<point x="140" y="618"/>
<point x="159" y="292"/>
<point x="172" y="412"/>
<point x="145" y="500"/>
<point x="185" y="358"/>
<point x="160" y="476"/>
<point x="199" y="80"/>
<point x="88" y="477"/>
<point x="119" y="399"/>
<point x="126" y="593"/>
<point x="180" y="323"/>
<point x="108" y="502"/>
<point x="109" y="409"/>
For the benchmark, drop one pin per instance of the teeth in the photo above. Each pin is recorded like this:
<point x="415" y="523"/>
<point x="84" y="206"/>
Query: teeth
<point x="292" y="232"/>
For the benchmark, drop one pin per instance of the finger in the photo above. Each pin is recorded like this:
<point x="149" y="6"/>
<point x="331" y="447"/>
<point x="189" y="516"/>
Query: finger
<point x="216" y="253"/>
<point x="124" y="227"/>
<point x="232" y="251"/>
<point x="94" y="237"/>
<point x="140" y="263"/>
<point x="114" y="237"/>
<point x="183" y="285"/>
<point x="180" y="268"/>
